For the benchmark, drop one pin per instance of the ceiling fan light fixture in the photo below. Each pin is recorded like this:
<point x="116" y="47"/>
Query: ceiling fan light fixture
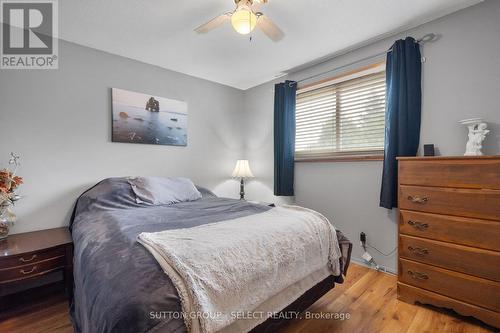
<point x="243" y="20"/>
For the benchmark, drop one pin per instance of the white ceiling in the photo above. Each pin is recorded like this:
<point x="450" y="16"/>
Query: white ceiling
<point x="160" y="32"/>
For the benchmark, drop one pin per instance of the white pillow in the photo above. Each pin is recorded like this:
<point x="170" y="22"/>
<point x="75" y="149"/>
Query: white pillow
<point x="163" y="190"/>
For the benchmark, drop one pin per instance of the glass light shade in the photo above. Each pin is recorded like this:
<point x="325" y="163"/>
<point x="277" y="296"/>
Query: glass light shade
<point x="243" y="20"/>
<point x="242" y="170"/>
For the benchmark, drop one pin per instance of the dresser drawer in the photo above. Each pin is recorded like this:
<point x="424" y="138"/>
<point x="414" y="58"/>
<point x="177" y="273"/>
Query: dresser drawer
<point x="30" y="270"/>
<point x="468" y="260"/>
<point x="31" y="258"/>
<point x="474" y="290"/>
<point x="462" y="173"/>
<point x="459" y="202"/>
<point x="460" y="230"/>
<point x="412" y="295"/>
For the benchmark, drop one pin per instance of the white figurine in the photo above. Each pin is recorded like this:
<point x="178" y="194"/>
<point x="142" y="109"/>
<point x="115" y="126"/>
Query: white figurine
<point x="477" y="133"/>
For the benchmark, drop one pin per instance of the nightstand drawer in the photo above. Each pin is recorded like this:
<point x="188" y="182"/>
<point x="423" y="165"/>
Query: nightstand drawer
<point x="465" y="259"/>
<point x="460" y="286"/>
<point x="30" y="270"/>
<point x="31" y="258"/>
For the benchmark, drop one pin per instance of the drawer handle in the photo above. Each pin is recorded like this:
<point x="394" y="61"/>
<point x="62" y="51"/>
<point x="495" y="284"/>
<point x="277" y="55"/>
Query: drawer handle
<point x="418" y="200"/>
<point x="418" y="250"/>
<point x="418" y="275"/>
<point x="418" y="225"/>
<point x="28" y="260"/>
<point x="28" y="272"/>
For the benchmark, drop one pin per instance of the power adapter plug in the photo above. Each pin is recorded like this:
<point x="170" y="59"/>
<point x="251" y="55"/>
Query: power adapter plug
<point x="362" y="239"/>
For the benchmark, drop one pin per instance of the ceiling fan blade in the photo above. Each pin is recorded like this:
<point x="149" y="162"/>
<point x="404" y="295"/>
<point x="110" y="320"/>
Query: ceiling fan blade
<point x="214" y="23"/>
<point x="269" y="28"/>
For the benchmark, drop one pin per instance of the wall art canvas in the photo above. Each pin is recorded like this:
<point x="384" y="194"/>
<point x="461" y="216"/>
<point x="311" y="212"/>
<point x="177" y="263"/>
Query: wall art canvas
<point x="143" y="118"/>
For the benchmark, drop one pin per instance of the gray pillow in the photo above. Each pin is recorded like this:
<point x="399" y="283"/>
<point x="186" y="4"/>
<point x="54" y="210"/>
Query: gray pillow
<point x="163" y="190"/>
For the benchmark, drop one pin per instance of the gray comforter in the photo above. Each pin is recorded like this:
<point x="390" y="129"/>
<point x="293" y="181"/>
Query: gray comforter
<point x="118" y="283"/>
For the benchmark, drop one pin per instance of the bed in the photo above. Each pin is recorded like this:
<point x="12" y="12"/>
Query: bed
<point x="120" y="287"/>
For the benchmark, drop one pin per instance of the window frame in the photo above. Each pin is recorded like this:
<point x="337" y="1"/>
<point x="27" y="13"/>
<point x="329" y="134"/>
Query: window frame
<point x="346" y="156"/>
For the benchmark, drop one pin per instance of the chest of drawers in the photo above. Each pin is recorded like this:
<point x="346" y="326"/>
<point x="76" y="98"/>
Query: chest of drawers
<point x="449" y="234"/>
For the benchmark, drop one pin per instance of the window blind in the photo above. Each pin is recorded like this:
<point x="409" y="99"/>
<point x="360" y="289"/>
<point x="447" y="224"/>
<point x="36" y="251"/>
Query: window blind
<point x="344" y="118"/>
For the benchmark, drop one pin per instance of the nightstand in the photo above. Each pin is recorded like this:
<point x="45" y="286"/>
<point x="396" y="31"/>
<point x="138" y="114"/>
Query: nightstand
<point x="29" y="257"/>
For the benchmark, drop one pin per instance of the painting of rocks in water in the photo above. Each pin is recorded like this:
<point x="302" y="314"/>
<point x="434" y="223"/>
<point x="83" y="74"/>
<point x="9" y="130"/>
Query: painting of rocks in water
<point x="142" y="118"/>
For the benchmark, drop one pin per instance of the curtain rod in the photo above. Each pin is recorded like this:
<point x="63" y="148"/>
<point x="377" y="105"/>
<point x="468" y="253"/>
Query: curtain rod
<point x="426" y="38"/>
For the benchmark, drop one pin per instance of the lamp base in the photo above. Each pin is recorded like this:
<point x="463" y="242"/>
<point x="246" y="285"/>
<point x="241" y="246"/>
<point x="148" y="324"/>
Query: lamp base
<point x="242" y="189"/>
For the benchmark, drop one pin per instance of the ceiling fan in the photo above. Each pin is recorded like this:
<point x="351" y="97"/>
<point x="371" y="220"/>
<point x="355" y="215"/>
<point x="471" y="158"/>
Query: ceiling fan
<point x="244" y="19"/>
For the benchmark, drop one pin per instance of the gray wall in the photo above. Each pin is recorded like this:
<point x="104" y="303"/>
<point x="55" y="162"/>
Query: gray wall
<point x="60" y="122"/>
<point x="461" y="79"/>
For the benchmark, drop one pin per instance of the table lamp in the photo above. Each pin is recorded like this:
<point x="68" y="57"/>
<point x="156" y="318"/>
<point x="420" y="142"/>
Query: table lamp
<point x="242" y="171"/>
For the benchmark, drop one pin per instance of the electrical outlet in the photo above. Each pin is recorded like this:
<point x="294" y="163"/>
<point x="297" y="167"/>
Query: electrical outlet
<point x="362" y="239"/>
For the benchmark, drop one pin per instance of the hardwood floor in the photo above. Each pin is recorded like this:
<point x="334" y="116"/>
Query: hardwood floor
<point x="50" y="316"/>
<point x="367" y="296"/>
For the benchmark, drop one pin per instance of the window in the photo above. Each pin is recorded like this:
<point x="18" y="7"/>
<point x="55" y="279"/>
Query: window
<point x="343" y="117"/>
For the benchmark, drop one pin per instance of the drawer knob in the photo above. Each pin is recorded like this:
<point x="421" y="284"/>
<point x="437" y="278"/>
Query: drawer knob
<point x="418" y="225"/>
<point x="28" y="272"/>
<point x="418" y="250"/>
<point x="28" y="260"/>
<point x="418" y="200"/>
<point x="418" y="275"/>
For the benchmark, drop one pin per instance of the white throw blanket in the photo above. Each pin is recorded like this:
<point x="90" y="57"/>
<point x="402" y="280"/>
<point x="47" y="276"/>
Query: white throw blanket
<point x="234" y="266"/>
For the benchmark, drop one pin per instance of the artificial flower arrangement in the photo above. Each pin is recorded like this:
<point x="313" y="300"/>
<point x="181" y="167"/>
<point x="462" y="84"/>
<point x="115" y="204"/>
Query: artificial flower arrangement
<point x="9" y="182"/>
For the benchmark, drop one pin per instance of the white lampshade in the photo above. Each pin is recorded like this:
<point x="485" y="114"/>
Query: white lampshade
<point x="242" y="170"/>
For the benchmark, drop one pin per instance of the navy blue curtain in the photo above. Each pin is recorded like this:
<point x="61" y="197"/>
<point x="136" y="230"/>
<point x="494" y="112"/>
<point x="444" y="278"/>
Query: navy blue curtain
<point x="402" y="118"/>
<point x="284" y="137"/>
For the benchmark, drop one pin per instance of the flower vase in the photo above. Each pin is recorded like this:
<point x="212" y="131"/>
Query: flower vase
<point x="6" y="218"/>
